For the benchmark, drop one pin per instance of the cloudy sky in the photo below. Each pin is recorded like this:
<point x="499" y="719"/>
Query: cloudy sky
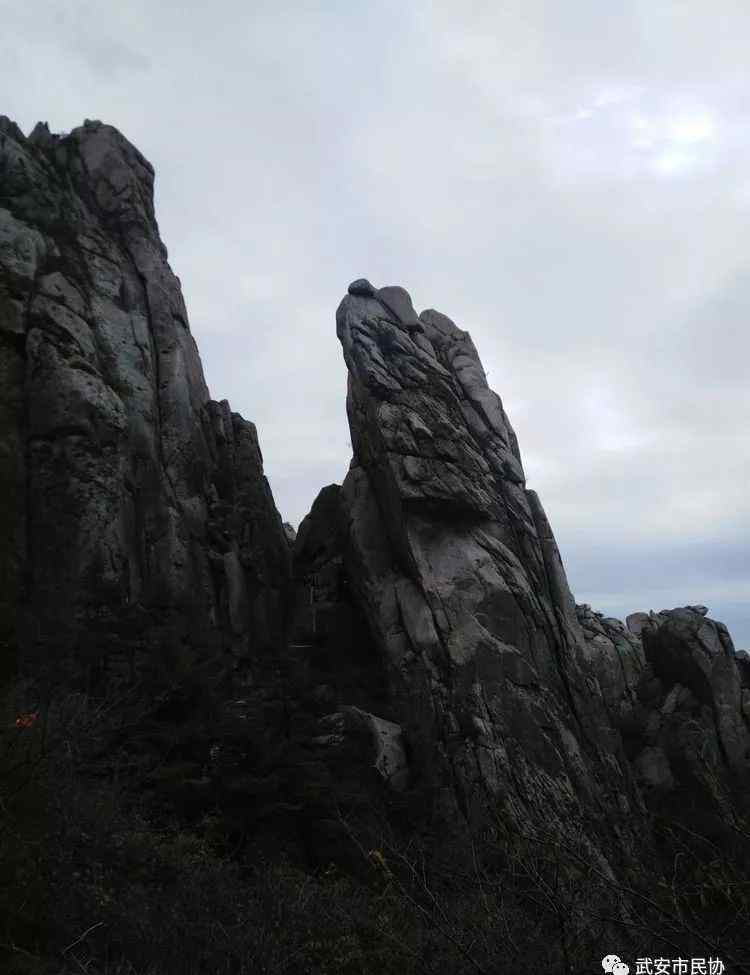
<point x="569" y="181"/>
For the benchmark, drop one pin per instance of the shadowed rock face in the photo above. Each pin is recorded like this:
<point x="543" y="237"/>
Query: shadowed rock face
<point x="457" y="567"/>
<point x="424" y="642"/>
<point x="139" y="513"/>
<point x="680" y="697"/>
<point x="704" y="713"/>
<point x="506" y="690"/>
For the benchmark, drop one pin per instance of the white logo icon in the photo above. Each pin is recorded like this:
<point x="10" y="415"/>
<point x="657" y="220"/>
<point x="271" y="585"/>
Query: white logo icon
<point x="613" y="966"/>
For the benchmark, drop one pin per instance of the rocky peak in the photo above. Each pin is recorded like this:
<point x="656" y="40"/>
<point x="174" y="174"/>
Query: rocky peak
<point x="416" y="636"/>
<point x="490" y="663"/>
<point x="179" y="542"/>
<point x="114" y="171"/>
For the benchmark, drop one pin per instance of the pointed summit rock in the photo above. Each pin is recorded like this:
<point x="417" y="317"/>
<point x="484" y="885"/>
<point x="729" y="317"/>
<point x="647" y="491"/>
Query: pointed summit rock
<point x="136" y="516"/>
<point x="510" y="696"/>
<point x="415" y="643"/>
<point x="461" y="578"/>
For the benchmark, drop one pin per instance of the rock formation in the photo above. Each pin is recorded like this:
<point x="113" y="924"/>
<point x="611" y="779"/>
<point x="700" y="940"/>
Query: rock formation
<point x="139" y="523"/>
<point x="509" y="694"/>
<point x="416" y="638"/>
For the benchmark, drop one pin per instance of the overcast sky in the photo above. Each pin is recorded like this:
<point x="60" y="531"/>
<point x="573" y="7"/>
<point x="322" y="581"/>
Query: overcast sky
<point x="569" y="181"/>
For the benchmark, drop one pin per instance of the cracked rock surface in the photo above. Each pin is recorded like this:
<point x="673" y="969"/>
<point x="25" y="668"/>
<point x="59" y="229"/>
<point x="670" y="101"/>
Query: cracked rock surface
<point x="139" y="515"/>
<point x="416" y="638"/>
<point x="506" y="690"/>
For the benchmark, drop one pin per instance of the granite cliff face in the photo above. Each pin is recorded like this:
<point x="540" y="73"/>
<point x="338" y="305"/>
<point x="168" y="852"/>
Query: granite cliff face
<point x="140" y="524"/>
<point x="416" y="641"/>
<point x="512" y="697"/>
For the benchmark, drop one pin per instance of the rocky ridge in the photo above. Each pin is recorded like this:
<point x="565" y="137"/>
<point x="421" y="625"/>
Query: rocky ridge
<point x="417" y="640"/>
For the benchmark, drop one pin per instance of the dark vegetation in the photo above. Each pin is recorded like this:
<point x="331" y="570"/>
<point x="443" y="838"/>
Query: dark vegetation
<point x="124" y="853"/>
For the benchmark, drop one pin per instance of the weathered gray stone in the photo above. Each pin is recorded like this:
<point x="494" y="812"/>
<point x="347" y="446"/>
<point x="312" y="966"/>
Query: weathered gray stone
<point x="381" y="743"/>
<point x="615" y="659"/>
<point x="503" y="687"/>
<point x="743" y="665"/>
<point x="687" y="647"/>
<point x="461" y="581"/>
<point x="147" y="507"/>
<point x="636" y="622"/>
<point x="361" y="287"/>
<point x="427" y="612"/>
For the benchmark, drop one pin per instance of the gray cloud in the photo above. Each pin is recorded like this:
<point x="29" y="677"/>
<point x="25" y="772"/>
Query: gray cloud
<point x="570" y="182"/>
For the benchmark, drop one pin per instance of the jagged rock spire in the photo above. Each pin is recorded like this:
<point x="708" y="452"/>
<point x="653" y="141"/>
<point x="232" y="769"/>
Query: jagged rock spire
<point x="138" y="514"/>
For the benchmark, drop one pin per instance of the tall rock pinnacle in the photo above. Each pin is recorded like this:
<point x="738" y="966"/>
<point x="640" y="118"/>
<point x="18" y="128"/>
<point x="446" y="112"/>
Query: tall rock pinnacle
<point x="139" y="515"/>
<point x="417" y="642"/>
<point x="508" y="695"/>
